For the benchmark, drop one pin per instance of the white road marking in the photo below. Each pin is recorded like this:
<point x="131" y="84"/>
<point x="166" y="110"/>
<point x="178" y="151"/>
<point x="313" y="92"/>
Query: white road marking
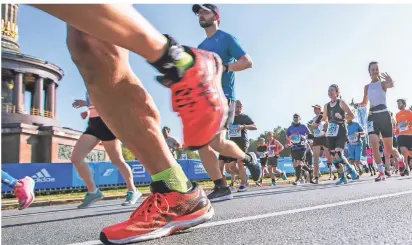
<point x="262" y="216"/>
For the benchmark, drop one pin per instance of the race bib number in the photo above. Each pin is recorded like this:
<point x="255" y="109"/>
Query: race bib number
<point x="353" y="139"/>
<point x="271" y="153"/>
<point x="261" y="154"/>
<point x="403" y="126"/>
<point x="318" y="131"/>
<point x="295" y="139"/>
<point x="233" y="132"/>
<point x="333" y="130"/>
<point x="370" y="126"/>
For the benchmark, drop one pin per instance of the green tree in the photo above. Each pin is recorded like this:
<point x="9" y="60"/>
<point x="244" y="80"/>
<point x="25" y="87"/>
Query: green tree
<point x="410" y="108"/>
<point x="127" y="154"/>
<point x="190" y="154"/>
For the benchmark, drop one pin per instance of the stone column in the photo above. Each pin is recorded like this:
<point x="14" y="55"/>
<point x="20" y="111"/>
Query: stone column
<point x="50" y="98"/>
<point x="18" y="92"/>
<point x="38" y="89"/>
<point x="31" y="101"/>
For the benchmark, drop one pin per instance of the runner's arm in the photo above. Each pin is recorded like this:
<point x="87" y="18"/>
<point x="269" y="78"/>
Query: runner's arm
<point x="309" y="135"/>
<point x="250" y="124"/>
<point x="176" y="143"/>
<point x="280" y="147"/>
<point x="365" y="97"/>
<point x="243" y="60"/>
<point x="346" y="109"/>
<point x="325" y="113"/>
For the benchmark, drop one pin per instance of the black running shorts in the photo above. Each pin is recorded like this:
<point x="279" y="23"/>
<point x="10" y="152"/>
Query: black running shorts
<point x="98" y="129"/>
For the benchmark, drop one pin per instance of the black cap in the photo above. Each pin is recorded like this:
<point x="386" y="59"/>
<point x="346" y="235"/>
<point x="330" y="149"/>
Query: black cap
<point x="208" y="7"/>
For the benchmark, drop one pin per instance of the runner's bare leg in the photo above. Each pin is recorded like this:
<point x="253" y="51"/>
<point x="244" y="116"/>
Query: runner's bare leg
<point x="106" y="71"/>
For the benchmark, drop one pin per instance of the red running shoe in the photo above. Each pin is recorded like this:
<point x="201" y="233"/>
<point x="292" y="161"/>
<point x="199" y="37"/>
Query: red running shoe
<point x="25" y="192"/>
<point x="161" y="214"/>
<point x="199" y="100"/>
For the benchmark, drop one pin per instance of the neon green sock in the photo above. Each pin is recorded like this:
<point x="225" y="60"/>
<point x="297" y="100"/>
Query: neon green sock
<point x="185" y="62"/>
<point x="174" y="177"/>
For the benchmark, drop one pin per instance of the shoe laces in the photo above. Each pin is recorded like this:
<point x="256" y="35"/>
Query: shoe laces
<point x="155" y="203"/>
<point x="184" y="99"/>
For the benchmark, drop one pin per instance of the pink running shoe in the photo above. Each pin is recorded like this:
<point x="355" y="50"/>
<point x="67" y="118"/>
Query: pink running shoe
<point x="25" y="192"/>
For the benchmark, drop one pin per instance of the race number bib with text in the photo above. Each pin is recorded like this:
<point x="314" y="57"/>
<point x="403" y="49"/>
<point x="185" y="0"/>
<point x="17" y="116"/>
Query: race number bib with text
<point x="295" y="139"/>
<point x="353" y="139"/>
<point x="403" y="126"/>
<point x="271" y="153"/>
<point x="333" y="130"/>
<point x="370" y="126"/>
<point x="318" y="131"/>
<point x="261" y="154"/>
<point x="233" y="132"/>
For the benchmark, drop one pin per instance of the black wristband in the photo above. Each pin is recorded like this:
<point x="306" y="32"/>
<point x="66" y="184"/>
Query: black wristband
<point x="319" y="118"/>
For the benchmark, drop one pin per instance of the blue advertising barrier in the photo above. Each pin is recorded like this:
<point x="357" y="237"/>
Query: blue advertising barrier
<point x="46" y="175"/>
<point x="64" y="175"/>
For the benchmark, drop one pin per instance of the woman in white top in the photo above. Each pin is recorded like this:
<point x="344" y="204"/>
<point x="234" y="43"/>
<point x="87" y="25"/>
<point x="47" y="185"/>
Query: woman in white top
<point x="379" y="118"/>
<point x="97" y="132"/>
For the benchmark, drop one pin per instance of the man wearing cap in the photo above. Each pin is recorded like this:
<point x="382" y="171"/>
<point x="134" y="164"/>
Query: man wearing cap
<point x="297" y="135"/>
<point x="319" y="142"/>
<point x="233" y="56"/>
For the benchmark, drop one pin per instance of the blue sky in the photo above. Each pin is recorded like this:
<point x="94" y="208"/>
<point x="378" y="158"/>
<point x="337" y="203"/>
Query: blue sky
<point x="298" y="51"/>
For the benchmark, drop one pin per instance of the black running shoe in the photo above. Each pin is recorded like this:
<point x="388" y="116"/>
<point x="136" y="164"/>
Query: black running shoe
<point x="219" y="194"/>
<point x="254" y="167"/>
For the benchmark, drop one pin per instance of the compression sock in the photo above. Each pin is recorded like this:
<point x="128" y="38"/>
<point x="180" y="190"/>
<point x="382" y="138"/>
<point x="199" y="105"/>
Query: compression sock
<point x="8" y="180"/>
<point x="175" y="178"/>
<point x="381" y="169"/>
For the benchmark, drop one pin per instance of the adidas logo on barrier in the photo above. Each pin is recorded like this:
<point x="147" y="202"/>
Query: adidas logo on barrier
<point x="43" y="176"/>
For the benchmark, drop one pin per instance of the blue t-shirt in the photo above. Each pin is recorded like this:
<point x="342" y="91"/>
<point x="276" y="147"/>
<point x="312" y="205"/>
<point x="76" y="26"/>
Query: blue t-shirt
<point x="87" y="99"/>
<point x="296" y="132"/>
<point x="352" y="129"/>
<point x="229" y="50"/>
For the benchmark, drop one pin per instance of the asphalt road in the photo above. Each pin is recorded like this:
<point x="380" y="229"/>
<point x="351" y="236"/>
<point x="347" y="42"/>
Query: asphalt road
<point x="362" y="212"/>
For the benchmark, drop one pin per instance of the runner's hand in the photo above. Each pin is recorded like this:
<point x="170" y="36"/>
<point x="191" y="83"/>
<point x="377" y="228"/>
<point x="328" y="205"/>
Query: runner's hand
<point x="79" y="103"/>
<point x="386" y="78"/>
<point x="84" y="114"/>
<point x="338" y="116"/>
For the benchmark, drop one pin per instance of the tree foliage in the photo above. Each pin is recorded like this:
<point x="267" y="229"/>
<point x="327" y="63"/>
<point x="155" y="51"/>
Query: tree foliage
<point x="127" y="154"/>
<point x="279" y="133"/>
<point x="190" y="154"/>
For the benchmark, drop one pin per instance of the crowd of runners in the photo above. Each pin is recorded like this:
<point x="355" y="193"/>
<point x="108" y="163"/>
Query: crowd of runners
<point x="202" y="83"/>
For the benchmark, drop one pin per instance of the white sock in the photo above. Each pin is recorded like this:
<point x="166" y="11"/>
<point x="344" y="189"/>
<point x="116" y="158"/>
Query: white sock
<point x="94" y="192"/>
<point x="380" y="167"/>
